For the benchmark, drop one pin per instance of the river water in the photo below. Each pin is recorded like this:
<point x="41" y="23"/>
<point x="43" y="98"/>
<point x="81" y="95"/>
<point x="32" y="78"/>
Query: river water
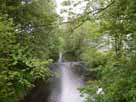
<point x="70" y="82"/>
<point x="62" y="87"/>
<point x="65" y="89"/>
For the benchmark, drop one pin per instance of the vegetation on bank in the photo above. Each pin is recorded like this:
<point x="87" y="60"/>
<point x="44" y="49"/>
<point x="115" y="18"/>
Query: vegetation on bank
<point x="108" y="32"/>
<point x="26" y="45"/>
<point x="103" y="36"/>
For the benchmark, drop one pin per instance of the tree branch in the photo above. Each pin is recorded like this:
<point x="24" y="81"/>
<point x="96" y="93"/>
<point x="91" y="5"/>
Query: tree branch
<point x="94" y="12"/>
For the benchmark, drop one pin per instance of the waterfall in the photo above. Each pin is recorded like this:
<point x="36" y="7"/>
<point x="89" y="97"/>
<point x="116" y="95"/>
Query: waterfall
<point x="60" y="57"/>
<point x="70" y="84"/>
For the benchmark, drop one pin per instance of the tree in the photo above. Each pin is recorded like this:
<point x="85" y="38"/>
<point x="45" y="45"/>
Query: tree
<point x="26" y="39"/>
<point x="114" y="69"/>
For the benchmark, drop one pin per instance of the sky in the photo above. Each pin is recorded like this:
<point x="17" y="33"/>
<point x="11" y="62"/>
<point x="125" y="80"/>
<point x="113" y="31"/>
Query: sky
<point x="58" y="2"/>
<point x="78" y="9"/>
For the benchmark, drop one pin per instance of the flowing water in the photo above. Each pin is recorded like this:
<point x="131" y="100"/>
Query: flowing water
<point x="62" y="87"/>
<point x="60" y="57"/>
<point x="69" y="82"/>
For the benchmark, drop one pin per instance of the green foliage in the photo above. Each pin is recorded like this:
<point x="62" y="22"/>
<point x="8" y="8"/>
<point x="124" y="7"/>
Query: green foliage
<point x="104" y="37"/>
<point x="18" y="68"/>
<point x="116" y="78"/>
<point x="66" y="2"/>
<point x="26" y="42"/>
<point x="94" y="58"/>
<point x="30" y="38"/>
<point x="114" y="68"/>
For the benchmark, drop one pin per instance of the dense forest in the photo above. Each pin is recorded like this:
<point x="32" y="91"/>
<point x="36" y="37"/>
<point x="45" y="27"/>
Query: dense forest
<point x="102" y="36"/>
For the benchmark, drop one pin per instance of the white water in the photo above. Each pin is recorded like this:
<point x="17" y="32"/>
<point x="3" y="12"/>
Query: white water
<point x="60" y="57"/>
<point x="70" y="84"/>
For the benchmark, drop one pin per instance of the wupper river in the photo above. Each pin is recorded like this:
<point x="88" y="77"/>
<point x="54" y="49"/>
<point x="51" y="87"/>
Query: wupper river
<point x="62" y="87"/>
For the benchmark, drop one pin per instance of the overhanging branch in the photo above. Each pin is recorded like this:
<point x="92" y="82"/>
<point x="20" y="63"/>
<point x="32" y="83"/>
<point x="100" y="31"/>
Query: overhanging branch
<point x="94" y="12"/>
